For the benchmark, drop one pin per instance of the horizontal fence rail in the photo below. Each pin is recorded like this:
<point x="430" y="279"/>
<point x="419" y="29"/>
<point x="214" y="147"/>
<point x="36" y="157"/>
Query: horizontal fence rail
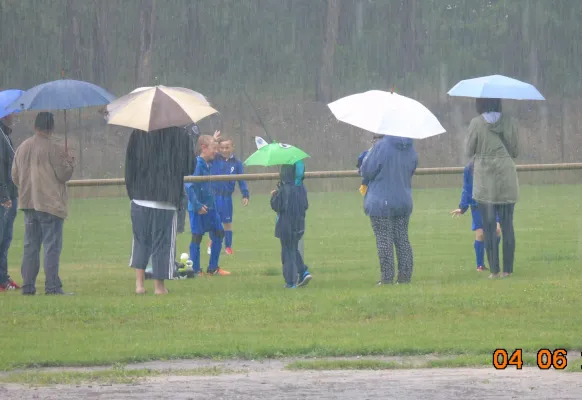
<point x="323" y="174"/>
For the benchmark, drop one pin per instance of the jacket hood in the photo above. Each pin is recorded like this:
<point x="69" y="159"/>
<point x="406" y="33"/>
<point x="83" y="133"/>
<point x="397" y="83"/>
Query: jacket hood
<point x="401" y="143"/>
<point x="287" y="174"/>
<point x="495" y="121"/>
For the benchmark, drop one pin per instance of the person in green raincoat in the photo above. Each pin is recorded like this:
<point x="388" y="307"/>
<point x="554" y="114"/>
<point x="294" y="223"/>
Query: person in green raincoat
<point x="493" y="142"/>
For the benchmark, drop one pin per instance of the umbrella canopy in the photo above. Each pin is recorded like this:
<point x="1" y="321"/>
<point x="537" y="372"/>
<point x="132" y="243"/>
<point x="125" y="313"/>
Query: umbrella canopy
<point x="496" y="87"/>
<point x="276" y="154"/>
<point x="159" y="107"/>
<point x="63" y="94"/>
<point x="387" y="113"/>
<point x="7" y="97"/>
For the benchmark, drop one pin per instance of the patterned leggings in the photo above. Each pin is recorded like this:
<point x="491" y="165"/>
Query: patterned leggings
<point x="393" y="232"/>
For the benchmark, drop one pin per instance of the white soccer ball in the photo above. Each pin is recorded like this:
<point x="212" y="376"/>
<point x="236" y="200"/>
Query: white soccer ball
<point x="184" y="258"/>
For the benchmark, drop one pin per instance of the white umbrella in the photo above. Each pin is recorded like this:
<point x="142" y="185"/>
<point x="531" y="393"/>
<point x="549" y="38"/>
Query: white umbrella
<point x="387" y="113"/>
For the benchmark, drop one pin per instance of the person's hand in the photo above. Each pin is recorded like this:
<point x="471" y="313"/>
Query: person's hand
<point x="7" y="204"/>
<point x="245" y="201"/>
<point x="498" y="230"/>
<point x="203" y="210"/>
<point x="456" y="213"/>
<point x="216" y="135"/>
<point x="273" y="192"/>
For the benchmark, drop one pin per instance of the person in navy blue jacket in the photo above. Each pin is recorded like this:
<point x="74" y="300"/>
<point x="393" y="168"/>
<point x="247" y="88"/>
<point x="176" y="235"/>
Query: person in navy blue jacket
<point x="361" y="157"/>
<point x="467" y="202"/>
<point x="389" y="167"/>
<point x="226" y="163"/>
<point x="290" y="203"/>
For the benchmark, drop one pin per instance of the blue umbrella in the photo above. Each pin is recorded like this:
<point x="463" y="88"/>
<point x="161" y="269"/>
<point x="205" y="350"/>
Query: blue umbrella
<point x="6" y="98"/>
<point x="496" y="87"/>
<point x="63" y="94"/>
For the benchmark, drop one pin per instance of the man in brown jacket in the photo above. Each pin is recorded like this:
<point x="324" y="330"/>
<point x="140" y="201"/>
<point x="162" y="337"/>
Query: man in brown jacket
<point x="40" y="170"/>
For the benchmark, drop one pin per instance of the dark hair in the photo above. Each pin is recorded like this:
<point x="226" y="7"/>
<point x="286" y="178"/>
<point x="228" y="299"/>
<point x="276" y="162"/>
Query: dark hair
<point x="487" y="105"/>
<point x="44" y="122"/>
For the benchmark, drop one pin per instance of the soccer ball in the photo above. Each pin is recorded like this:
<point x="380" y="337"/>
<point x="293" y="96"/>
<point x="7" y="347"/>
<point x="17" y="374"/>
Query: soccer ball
<point x="184" y="258"/>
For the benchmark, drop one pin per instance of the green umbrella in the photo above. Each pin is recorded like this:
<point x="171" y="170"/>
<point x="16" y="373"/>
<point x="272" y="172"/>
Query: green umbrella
<point x="276" y="154"/>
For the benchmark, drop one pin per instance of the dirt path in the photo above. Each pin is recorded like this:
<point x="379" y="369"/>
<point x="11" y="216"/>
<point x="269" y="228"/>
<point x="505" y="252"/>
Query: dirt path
<point x="268" y="380"/>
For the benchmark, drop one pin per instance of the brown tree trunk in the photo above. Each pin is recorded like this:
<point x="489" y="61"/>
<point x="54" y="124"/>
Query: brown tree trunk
<point x="324" y="85"/>
<point x="147" y="22"/>
<point x="100" y="59"/>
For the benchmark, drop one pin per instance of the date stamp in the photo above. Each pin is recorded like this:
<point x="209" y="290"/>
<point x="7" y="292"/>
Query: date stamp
<point x="545" y="359"/>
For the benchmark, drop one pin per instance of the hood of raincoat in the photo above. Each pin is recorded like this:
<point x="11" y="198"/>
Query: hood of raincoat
<point x="287" y="174"/>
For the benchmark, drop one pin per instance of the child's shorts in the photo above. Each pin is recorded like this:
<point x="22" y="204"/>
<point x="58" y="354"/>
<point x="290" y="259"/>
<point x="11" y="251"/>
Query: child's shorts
<point x="200" y="224"/>
<point x="477" y="222"/>
<point x="224" y="208"/>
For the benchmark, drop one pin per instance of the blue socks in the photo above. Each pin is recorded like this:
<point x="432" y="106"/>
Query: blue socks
<point x="479" y="253"/>
<point x="195" y="256"/>
<point x="227" y="239"/>
<point x="215" y="250"/>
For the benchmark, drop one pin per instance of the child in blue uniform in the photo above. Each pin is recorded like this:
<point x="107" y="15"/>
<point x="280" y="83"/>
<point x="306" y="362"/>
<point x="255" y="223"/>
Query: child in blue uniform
<point x="226" y="163"/>
<point x="477" y="223"/>
<point x="202" y="209"/>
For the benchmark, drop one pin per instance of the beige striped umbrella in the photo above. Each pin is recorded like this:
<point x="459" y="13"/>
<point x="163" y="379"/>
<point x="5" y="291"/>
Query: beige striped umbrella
<point x="158" y="107"/>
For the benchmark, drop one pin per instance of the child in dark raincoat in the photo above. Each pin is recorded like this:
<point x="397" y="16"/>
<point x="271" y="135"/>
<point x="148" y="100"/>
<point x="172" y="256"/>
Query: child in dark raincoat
<point x="290" y="203"/>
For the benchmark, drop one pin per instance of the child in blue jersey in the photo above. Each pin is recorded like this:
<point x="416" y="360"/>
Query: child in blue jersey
<point x="202" y="209"/>
<point x="477" y="223"/>
<point x="226" y="163"/>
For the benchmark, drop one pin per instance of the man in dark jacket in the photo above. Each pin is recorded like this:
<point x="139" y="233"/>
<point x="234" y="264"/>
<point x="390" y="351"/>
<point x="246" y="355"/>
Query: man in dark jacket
<point x="155" y="166"/>
<point x="8" y="200"/>
<point x="290" y="203"/>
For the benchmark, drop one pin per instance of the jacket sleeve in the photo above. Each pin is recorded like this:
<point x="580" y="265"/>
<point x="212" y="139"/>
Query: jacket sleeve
<point x="242" y="184"/>
<point x="277" y="201"/>
<point x="3" y="172"/>
<point x="466" y="193"/>
<point x="471" y="147"/>
<point x="191" y="190"/>
<point x="61" y="163"/>
<point x="130" y="167"/>
<point x="15" y="170"/>
<point x="512" y="140"/>
<point x="372" y="163"/>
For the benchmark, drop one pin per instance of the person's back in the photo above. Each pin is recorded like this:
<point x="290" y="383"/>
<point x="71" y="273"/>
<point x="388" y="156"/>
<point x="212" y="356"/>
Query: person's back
<point x="291" y="205"/>
<point x="388" y="168"/>
<point x="41" y="176"/>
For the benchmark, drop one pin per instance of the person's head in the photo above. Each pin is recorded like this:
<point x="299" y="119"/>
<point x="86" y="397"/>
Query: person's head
<point x="44" y="123"/>
<point x="287" y="174"/>
<point x="487" y="105"/>
<point x="226" y="147"/>
<point x="207" y="147"/>
<point x="7" y="120"/>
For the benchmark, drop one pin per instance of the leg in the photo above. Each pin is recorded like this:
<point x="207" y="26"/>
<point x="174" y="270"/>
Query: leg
<point x="289" y="261"/>
<point x="304" y="277"/>
<point x="195" y="252"/>
<point x="216" y="237"/>
<point x="141" y="246"/>
<point x="301" y="248"/>
<point x="164" y="229"/>
<point x="226" y="218"/>
<point x="52" y="241"/>
<point x="488" y="214"/>
<point x="384" y="244"/>
<point x="506" y="217"/>
<point x="227" y="235"/>
<point x="479" y="246"/>
<point x="7" y="218"/>
<point x="403" y="248"/>
<point x="31" y="254"/>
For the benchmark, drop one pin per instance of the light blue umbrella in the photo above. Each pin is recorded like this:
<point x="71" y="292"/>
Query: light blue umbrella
<point x="63" y="94"/>
<point x="496" y="87"/>
<point x="6" y="98"/>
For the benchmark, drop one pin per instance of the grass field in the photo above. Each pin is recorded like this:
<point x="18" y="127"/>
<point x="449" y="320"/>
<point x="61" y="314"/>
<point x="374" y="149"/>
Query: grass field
<point x="449" y="309"/>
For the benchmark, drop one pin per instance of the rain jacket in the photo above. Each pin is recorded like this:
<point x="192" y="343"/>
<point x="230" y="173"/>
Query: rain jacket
<point x="200" y="193"/>
<point x="232" y="166"/>
<point x="359" y="165"/>
<point x="389" y="167"/>
<point x="494" y="145"/>
<point x="155" y="165"/>
<point x="290" y="203"/>
<point x="299" y="173"/>
<point x="7" y="188"/>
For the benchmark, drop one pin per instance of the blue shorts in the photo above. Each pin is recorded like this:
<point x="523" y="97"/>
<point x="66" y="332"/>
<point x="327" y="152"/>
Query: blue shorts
<point x="477" y="220"/>
<point x="224" y="208"/>
<point x="200" y="224"/>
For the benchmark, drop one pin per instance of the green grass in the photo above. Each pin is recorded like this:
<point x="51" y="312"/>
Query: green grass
<point x="449" y="308"/>
<point x="116" y="375"/>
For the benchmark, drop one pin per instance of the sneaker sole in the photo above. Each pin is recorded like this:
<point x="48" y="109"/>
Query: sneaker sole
<point x="305" y="281"/>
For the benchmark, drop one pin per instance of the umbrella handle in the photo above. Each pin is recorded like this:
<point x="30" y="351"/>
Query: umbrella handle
<point x="65" y="114"/>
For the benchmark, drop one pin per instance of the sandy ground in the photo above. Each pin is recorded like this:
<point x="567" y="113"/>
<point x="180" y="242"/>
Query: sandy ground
<point x="269" y="380"/>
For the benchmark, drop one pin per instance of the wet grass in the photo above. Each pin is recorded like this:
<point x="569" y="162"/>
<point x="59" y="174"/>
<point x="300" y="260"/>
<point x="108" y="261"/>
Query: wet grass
<point x="448" y="309"/>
